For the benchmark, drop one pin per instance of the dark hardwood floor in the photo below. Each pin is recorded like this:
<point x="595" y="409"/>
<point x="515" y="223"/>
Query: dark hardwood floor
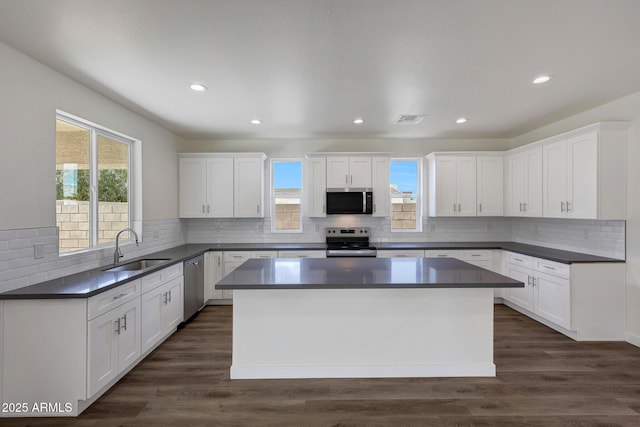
<point x="544" y="379"/>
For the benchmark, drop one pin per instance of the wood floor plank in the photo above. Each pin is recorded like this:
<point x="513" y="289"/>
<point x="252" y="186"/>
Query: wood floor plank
<point x="543" y="379"/>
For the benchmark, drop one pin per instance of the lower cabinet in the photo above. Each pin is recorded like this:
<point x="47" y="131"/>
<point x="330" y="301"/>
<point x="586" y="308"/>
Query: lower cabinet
<point x="71" y="350"/>
<point x="162" y="312"/>
<point x="302" y="254"/>
<point x="413" y="253"/>
<point x="114" y="344"/>
<point x="547" y="288"/>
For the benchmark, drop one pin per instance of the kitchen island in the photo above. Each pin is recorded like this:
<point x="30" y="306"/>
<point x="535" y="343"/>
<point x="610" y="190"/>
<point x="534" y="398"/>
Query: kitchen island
<point x="362" y="318"/>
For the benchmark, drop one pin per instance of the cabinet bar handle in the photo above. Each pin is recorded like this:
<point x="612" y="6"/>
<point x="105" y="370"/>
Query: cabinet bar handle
<point x="442" y="255"/>
<point x="119" y="296"/>
<point x="258" y="208"/>
<point x="351" y="179"/>
<point x="529" y="280"/>
<point x="124" y="326"/>
<point x="208" y="209"/>
<point x="346" y="180"/>
<point x="454" y="207"/>
<point x="520" y="206"/>
<point x="164" y="298"/>
<point x="476" y="255"/>
<point x="203" y="209"/>
<point x="118" y="326"/>
<point x="518" y="259"/>
<point x="459" y="207"/>
<point x="533" y="281"/>
<point x="480" y="207"/>
<point x="169" y="293"/>
<point x="218" y="260"/>
<point x="561" y="206"/>
<point x="548" y="268"/>
<point x="568" y="207"/>
<point x="524" y="205"/>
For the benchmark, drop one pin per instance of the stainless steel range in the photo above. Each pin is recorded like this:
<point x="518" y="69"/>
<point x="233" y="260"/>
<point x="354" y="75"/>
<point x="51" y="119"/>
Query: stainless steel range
<point x="349" y="242"/>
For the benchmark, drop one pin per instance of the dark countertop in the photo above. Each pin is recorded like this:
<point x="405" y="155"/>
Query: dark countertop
<point x="93" y="282"/>
<point x="362" y="273"/>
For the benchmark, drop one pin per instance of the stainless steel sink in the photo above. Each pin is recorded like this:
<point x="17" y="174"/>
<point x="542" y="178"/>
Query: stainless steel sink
<point x="138" y="265"/>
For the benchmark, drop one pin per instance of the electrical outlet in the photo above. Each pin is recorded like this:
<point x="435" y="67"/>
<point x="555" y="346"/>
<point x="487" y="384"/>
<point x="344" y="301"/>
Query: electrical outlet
<point x="38" y="250"/>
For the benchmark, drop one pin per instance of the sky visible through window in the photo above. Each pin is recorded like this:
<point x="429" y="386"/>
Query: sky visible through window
<point x="404" y="174"/>
<point x="287" y="174"/>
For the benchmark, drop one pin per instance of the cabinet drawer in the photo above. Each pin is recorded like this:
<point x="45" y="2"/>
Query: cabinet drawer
<point x="401" y="254"/>
<point x="264" y="254"/>
<point x="302" y="254"/>
<point x="476" y="255"/>
<point x="171" y="272"/>
<point x="237" y="256"/>
<point x="517" y="259"/>
<point x="113" y="298"/>
<point x="435" y="253"/>
<point x="551" y="267"/>
<point x="150" y="281"/>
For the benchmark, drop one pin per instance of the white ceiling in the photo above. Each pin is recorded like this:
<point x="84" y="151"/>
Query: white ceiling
<point x="307" y="68"/>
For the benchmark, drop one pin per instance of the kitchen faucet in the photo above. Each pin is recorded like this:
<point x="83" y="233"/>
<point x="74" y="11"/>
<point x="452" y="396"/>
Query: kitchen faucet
<point x="117" y="254"/>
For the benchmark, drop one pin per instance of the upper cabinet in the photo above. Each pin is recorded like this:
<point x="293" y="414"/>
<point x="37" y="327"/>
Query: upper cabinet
<point x="380" y="181"/>
<point x="584" y="173"/>
<point x="452" y="184"/>
<point x="315" y="187"/>
<point x="523" y="178"/>
<point x="221" y="185"/>
<point x="349" y="172"/>
<point x="489" y="185"/>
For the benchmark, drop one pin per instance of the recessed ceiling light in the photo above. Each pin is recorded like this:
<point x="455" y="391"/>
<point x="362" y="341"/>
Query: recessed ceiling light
<point x="461" y="120"/>
<point x="198" y="87"/>
<point x="358" y="121"/>
<point x="541" y="79"/>
<point x="256" y="122"/>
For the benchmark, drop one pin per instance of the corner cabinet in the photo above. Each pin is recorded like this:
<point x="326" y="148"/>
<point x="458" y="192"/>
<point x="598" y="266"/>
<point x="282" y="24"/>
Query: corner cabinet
<point x="229" y="185"/>
<point x="584" y="173"/>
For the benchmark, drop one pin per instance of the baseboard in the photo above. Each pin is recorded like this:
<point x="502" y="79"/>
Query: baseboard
<point x="364" y="371"/>
<point x="632" y="338"/>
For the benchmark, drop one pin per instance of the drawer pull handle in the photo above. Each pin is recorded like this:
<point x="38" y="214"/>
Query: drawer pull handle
<point x="475" y="255"/>
<point x="119" y="296"/>
<point x="442" y="255"/>
<point x="549" y="268"/>
<point x="518" y="259"/>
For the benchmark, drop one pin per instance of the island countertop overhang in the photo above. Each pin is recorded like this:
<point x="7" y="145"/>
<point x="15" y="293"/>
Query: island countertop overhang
<point x="362" y="273"/>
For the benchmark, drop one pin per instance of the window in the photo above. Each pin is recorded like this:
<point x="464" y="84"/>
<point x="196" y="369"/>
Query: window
<point x="92" y="184"/>
<point x="286" y="179"/>
<point x="405" y="179"/>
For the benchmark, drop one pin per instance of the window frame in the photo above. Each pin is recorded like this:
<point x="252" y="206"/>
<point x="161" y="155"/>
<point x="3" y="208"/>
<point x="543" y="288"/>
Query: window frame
<point x="418" y="196"/>
<point x="272" y="192"/>
<point x="95" y="131"/>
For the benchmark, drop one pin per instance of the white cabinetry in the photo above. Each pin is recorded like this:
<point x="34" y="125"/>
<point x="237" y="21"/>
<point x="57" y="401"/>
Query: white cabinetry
<point x="315" y="187"/>
<point x="161" y="305"/>
<point x="410" y="253"/>
<point x="523" y="177"/>
<point x="114" y="344"/>
<point x="349" y="172"/>
<point x="213" y="267"/>
<point x="302" y="254"/>
<point x="489" y="190"/>
<point x="452" y="185"/>
<point x="230" y="261"/>
<point x="221" y="185"/>
<point x="547" y="290"/>
<point x="381" y="193"/>
<point x="584" y="174"/>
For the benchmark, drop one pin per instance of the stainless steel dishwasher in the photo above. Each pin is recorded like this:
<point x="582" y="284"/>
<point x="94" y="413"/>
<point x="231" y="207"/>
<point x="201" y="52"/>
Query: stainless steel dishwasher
<point x="193" y="287"/>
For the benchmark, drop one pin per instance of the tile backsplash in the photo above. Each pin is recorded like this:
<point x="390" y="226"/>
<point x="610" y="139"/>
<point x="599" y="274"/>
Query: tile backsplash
<point x="19" y="266"/>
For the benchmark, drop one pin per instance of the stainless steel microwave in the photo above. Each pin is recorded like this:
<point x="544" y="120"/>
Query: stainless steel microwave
<point x="349" y="202"/>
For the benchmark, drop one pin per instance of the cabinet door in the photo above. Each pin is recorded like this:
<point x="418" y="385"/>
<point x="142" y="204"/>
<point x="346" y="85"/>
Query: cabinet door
<point x="102" y="351"/>
<point x="220" y="187"/>
<point x="192" y="177"/>
<point x="248" y="187"/>
<point x="521" y="296"/>
<point x="582" y="186"/>
<point x="553" y="299"/>
<point x="381" y="192"/>
<point x="360" y="172"/>
<point x="446" y="177"/>
<point x="172" y="313"/>
<point x="466" y="185"/>
<point x="151" y="329"/>
<point x="490" y="186"/>
<point x="533" y="169"/>
<point x="315" y="190"/>
<point x="213" y="274"/>
<point x="337" y="172"/>
<point x="518" y="177"/>
<point x="129" y="337"/>
<point x="554" y="179"/>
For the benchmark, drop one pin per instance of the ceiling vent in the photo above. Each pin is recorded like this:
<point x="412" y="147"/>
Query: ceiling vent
<point x="409" y="119"/>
